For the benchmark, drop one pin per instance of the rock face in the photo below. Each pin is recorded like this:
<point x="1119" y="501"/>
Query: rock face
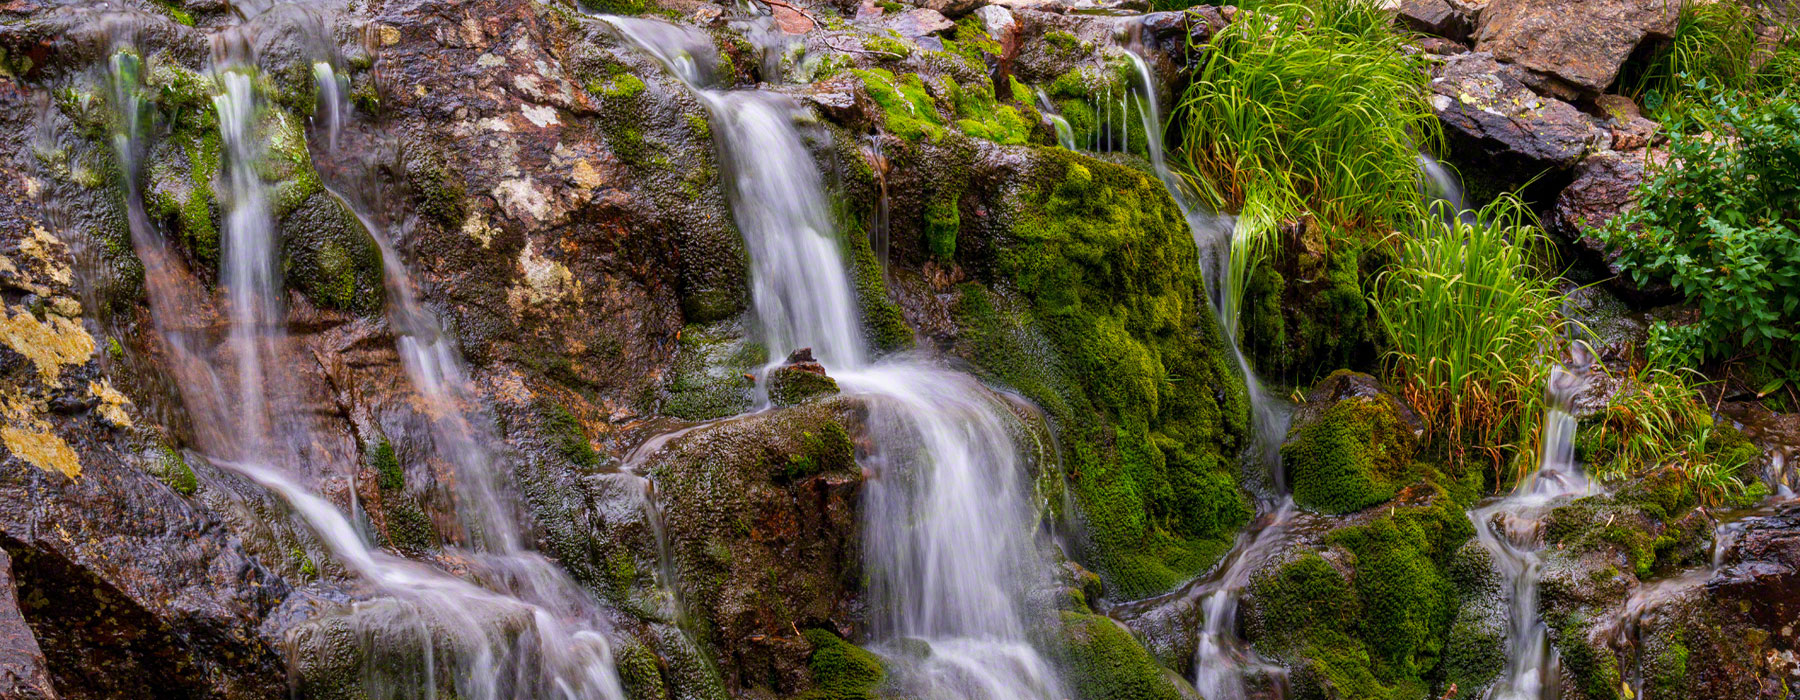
<point x="1488" y="109"/>
<point x="1580" y="42"/>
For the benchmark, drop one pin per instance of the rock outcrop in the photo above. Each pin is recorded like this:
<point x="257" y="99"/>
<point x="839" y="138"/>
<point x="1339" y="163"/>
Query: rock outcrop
<point x="1579" y="43"/>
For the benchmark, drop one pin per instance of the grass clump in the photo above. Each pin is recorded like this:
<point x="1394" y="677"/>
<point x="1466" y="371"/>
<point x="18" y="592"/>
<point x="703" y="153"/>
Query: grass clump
<point x="1469" y="323"/>
<point x="1715" y="49"/>
<point x="1310" y="109"/>
<point x="1658" y="423"/>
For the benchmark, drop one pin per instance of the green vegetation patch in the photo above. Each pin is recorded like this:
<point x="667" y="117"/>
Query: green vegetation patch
<point x="841" y="670"/>
<point x="1357" y="454"/>
<point x="907" y="109"/>
<point x="1109" y="334"/>
<point x="1104" y="662"/>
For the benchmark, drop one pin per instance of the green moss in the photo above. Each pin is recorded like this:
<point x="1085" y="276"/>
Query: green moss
<point x="890" y="48"/>
<point x="1594" y="671"/>
<point x="114" y="350"/>
<point x="907" y="109"/>
<point x="1354" y="456"/>
<point x="841" y="670"/>
<point x="567" y="436"/>
<point x="827" y="450"/>
<point x="1104" y="662"/>
<point x="408" y="528"/>
<point x="638" y="671"/>
<point x="388" y="475"/>
<point x="1665" y="669"/>
<point x="941" y="223"/>
<point x="615" y="7"/>
<point x="620" y="85"/>
<point x="1376" y="630"/>
<point x="331" y="258"/>
<point x="303" y="562"/>
<point x="174" y="471"/>
<point x="439" y="192"/>
<point x="789" y="386"/>
<point x="1108" y="333"/>
<point x="707" y="380"/>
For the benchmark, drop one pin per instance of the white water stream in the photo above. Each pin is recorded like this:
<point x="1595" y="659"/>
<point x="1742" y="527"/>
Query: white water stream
<point x="948" y="526"/>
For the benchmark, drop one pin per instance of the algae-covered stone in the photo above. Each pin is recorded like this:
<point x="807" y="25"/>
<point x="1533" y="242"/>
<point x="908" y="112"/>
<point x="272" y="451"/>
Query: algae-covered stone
<point x="841" y="670"/>
<point x="708" y="379"/>
<point x="1104" y="662"/>
<point x="799" y="380"/>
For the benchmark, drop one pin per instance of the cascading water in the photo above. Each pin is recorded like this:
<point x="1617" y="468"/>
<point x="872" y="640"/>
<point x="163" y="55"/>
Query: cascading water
<point x="948" y="527"/>
<point x="1065" y="135"/>
<point x="1222" y="657"/>
<point x="1508" y="529"/>
<point x="535" y="640"/>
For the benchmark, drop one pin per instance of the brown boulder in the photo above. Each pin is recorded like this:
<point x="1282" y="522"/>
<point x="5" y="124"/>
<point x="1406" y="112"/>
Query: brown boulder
<point x="1582" y="42"/>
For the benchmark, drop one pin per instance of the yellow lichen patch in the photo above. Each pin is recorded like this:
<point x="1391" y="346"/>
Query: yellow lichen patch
<point x="49" y="345"/>
<point x="585" y="176"/>
<point x="42" y="449"/>
<point x="112" y="403"/>
<point x="545" y="280"/>
<point x="41" y="245"/>
<point x="476" y="227"/>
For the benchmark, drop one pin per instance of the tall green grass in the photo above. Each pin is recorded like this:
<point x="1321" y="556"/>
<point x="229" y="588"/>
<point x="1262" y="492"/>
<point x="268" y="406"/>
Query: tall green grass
<point x="1715" y="49"/>
<point x="1470" y="315"/>
<point x="1309" y="109"/>
<point x="1658" y="423"/>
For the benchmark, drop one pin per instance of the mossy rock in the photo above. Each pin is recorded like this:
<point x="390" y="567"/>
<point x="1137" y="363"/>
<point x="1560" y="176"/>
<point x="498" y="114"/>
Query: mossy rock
<point x="841" y="670"/>
<point x="1354" y="455"/>
<point x="791" y="386"/>
<point x="708" y="378"/>
<point x="1095" y="311"/>
<point x="174" y="471"/>
<point x="1104" y="662"/>
<point x="331" y="258"/>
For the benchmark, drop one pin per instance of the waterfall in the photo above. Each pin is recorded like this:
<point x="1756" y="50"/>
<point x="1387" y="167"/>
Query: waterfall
<point x="484" y="644"/>
<point x="332" y="104"/>
<point x="1440" y="186"/>
<point x="1065" y="136"/>
<point x="1508" y="528"/>
<point x="948" y="527"/>
<point x="1221" y="656"/>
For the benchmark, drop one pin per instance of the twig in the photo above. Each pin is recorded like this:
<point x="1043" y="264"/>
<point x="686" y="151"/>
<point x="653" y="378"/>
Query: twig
<point x="865" y="52"/>
<point x="802" y="12"/>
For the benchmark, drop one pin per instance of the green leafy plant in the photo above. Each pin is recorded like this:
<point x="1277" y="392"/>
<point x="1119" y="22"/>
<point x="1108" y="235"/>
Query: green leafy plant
<point x="1720" y="222"/>
<point x="1469" y="320"/>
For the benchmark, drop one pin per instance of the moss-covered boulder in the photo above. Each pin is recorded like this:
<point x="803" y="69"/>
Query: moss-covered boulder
<point x="761" y="536"/>
<point x="1104" y="662"/>
<point x="1366" y="609"/>
<point x="1351" y="447"/>
<point x="799" y="380"/>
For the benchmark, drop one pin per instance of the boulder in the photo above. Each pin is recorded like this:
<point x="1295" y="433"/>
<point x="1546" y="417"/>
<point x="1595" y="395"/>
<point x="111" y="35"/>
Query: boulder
<point x="1581" y="42"/>
<point x="1350" y="447"/>
<point x="1491" y="114"/>
<point x="1435" y="17"/>
<point x="919" y="22"/>
<point x="1761" y="568"/>
<point x="799" y="380"/>
<point x="1604" y="186"/>
<point x="23" y="671"/>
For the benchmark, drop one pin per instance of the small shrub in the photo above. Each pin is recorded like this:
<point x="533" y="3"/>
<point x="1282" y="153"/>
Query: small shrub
<point x="1721" y="223"/>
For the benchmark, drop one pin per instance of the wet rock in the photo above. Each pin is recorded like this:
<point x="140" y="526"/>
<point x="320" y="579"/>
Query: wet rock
<point x="1581" y="42"/>
<point x="1438" y="18"/>
<point x="1000" y="26"/>
<point x="1475" y="650"/>
<point x="1762" y="569"/>
<point x="799" y="379"/>
<point x="1489" y="112"/>
<point x="1605" y="186"/>
<point x="762" y="531"/>
<point x="23" y="672"/>
<point x="918" y="23"/>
